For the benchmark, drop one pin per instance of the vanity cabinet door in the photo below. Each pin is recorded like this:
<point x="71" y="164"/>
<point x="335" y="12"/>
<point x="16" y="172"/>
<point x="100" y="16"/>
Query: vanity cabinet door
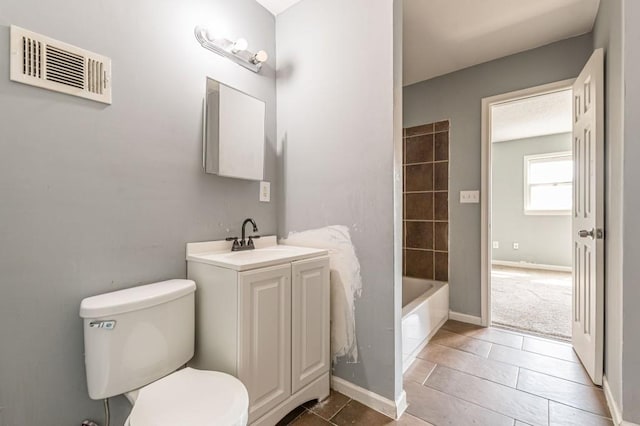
<point x="265" y="336"/>
<point x="310" y="320"/>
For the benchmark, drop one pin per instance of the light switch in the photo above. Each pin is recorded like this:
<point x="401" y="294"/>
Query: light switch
<point x="496" y="244"/>
<point x="265" y="192"/>
<point x="516" y="246"/>
<point x="470" y="197"/>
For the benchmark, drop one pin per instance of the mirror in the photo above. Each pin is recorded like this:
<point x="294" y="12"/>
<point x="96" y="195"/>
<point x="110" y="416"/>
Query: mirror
<point x="233" y="144"/>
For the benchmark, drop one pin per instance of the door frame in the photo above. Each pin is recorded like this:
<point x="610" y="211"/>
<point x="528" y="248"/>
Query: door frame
<point x="485" y="187"/>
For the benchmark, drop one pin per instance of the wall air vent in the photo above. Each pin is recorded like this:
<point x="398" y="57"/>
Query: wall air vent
<point x="43" y="62"/>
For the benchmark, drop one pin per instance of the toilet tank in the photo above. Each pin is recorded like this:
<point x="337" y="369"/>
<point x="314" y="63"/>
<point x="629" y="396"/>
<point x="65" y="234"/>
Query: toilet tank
<point x="135" y="336"/>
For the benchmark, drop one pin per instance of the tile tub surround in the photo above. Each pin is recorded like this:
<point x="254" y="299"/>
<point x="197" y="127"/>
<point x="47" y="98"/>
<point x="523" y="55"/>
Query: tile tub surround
<point x="469" y="375"/>
<point x="426" y="198"/>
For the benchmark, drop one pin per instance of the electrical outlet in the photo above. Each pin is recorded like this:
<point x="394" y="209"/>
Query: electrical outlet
<point x="516" y="246"/>
<point x="265" y="192"/>
<point x="496" y="244"/>
<point x="470" y="197"/>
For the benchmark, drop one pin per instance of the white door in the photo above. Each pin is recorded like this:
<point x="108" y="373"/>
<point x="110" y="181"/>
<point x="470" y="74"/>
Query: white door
<point x="309" y="321"/>
<point x="588" y="216"/>
<point x="265" y="337"/>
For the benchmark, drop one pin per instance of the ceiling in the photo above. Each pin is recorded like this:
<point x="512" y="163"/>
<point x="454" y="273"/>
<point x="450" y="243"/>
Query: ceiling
<point x="277" y="6"/>
<point x="535" y="116"/>
<point x="442" y="36"/>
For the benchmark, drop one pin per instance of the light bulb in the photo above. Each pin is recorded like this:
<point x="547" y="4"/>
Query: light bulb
<point x="259" y="57"/>
<point x="239" y="45"/>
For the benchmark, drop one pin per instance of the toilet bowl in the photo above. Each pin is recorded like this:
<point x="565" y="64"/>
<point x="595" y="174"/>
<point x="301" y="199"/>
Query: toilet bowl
<point x="135" y="342"/>
<point x="190" y="397"/>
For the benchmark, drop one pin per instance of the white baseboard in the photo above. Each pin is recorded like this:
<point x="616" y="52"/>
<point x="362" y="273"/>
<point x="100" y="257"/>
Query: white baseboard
<point x="465" y="318"/>
<point x="616" y="414"/>
<point x="611" y="402"/>
<point x="528" y="265"/>
<point x="389" y="408"/>
<point x="401" y="404"/>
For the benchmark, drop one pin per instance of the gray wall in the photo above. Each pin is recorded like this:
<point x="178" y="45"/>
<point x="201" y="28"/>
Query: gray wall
<point x="631" y="157"/>
<point x="457" y="96"/>
<point x="542" y="239"/>
<point x="617" y="32"/>
<point x="607" y="33"/>
<point x="96" y="198"/>
<point x="397" y="188"/>
<point x="336" y="130"/>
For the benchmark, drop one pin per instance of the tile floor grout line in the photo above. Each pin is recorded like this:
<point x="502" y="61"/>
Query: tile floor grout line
<point x="536" y="354"/>
<point x="493" y="382"/>
<point x="529" y="334"/>
<point x="490" y="342"/>
<point x="559" y="402"/>
<point x="511" y="347"/>
<point x="556" y="401"/>
<point x="479" y="357"/>
<point x="590" y="386"/>
<point x="580" y="409"/>
<point x="547" y="373"/>
<point x="518" y="333"/>
<point x="468" y="402"/>
<point x="304" y="411"/>
<point x="490" y="350"/>
<point x="462" y="349"/>
<point x="472" y="336"/>
<point x="477" y="377"/>
<point x="430" y="373"/>
<point x="565" y="404"/>
<point x="338" y="412"/>
<point x="550" y="356"/>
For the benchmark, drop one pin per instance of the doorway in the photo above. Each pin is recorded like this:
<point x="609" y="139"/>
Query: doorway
<point x="530" y="177"/>
<point x="532" y="181"/>
<point x="587" y="211"/>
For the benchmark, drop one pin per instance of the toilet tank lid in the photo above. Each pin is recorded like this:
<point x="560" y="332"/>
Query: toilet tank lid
<point x="135" y="298"/>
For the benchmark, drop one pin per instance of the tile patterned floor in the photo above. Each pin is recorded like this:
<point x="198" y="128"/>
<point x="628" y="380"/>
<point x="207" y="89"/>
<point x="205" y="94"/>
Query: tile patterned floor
<point x="339" y="410"/>
<point x="469" y="375"/>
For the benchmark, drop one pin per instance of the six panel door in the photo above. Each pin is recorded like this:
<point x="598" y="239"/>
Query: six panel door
<point x="588" y="217"/>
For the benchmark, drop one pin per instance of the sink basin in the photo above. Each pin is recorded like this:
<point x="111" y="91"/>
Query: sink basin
<point x="219" y="253"/>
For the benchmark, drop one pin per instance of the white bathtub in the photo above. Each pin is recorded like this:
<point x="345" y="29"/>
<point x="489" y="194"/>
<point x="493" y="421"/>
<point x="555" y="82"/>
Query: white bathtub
<point x="425" y="307"/>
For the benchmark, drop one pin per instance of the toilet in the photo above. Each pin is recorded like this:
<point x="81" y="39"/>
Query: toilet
<point x="136" y="341"/>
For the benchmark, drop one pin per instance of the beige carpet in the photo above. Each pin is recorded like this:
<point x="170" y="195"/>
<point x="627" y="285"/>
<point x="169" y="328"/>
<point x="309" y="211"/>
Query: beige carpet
<point x="532" y="300"/>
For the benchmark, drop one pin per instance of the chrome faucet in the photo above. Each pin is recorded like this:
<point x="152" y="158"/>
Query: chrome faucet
<point x="244" y="244"/>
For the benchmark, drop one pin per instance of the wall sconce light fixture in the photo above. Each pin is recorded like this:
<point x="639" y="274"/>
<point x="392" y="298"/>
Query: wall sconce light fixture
<point x="234" y="50"/>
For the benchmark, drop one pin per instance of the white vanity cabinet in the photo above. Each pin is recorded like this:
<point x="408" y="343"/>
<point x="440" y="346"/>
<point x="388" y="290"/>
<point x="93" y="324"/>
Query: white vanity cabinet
<point x="268" y="324"/>
<point x="264" y="331"/>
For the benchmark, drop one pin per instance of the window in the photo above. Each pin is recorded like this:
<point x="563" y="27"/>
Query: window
<point x="548" y="183"/>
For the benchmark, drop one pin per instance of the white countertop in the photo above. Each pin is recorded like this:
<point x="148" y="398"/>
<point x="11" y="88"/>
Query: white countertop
<point x="266" y="253"/>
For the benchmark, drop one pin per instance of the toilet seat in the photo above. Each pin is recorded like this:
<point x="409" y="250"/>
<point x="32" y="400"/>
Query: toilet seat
<point x="191" y="397"/>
